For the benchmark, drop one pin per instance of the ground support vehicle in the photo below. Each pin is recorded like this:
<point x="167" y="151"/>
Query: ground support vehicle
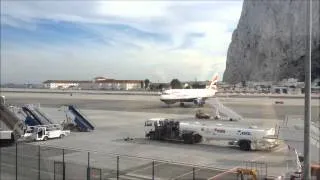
<point x="45" y="132"/>
<point x="247" y="139"/>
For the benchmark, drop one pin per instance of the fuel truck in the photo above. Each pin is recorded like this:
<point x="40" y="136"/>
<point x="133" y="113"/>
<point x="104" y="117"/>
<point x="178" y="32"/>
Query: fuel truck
<point x="251" y="138"/>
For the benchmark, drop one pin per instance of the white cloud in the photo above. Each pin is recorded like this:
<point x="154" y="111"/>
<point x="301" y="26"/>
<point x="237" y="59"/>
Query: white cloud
<point x="133" y="9"/>
<point x="160" y="61"/>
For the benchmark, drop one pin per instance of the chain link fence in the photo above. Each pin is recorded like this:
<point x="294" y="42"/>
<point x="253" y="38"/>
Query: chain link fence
<point x="37" y="162"/>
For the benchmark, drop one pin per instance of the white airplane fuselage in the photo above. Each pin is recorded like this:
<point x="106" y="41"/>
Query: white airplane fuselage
<point x="172" y="96"/>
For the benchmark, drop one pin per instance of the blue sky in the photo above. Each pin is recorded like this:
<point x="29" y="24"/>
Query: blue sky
<point x="159" y="40"/>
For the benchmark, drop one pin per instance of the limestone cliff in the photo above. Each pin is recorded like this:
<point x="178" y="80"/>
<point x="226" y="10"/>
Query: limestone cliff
<point x="269" y="43"/>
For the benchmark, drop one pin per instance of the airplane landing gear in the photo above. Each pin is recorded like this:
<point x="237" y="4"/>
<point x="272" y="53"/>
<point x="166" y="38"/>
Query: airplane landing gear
<point x="181" y="104"/>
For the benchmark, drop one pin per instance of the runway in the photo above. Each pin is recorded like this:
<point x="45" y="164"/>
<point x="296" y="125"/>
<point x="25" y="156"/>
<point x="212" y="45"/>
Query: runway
<point x="247" y="107"/>
<point x="119" y="116"/>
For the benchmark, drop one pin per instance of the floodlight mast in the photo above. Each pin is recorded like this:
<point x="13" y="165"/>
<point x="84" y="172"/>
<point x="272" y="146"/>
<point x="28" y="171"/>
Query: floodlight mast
<point x="307" y="91"/>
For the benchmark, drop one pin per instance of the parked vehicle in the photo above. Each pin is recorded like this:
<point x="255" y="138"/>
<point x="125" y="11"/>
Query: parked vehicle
<point x="43" y="133"/>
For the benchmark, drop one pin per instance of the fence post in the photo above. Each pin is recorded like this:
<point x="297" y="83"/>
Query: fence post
<point x="0" y="163"/>
<point x="153" y="170"/>
<point x="39" y="148"/>
<point x="16" y="161"/>
<point x="0" y="158"/>
<point x="117" y="167"/>
<point x="54" y="170"/>
<point x="63" y="166"/>
<point x="88" y="168"/>
<point x="193" y="173"/>
<point x="266" y="170"/>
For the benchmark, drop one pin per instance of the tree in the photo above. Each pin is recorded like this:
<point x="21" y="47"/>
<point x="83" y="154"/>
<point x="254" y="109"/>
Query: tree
<point x="146" y="83"/>
<point x="196" y="85"/>
<point x="175" y="84"/>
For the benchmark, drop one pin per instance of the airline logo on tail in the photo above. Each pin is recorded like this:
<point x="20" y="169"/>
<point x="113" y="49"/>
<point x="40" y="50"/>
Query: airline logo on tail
<point x="213" y="84"/>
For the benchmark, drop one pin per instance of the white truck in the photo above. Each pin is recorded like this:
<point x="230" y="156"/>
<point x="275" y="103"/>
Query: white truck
<point x="45" y="132"/>
<point x="250" y="138"/>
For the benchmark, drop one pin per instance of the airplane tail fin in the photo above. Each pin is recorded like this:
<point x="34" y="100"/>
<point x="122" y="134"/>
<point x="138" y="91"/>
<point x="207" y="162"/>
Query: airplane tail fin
<point x="213" y="84"/>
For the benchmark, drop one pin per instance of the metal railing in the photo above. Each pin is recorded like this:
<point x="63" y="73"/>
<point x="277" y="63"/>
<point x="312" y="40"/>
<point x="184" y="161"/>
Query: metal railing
<point x="24" y="161"/>
<point x="35" y="162"/>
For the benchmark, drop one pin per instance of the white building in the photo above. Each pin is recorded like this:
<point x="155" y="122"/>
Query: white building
<point x="289" y="82"/>
<point x="97" y="83"/>
<point x="113" y="84"/>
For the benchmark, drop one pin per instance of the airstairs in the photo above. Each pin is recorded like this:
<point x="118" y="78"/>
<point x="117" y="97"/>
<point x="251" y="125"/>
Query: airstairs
<point x="76" y="120"/>
<point x="291" y="131"/>
<point x="11" y="121"/>
<point x="35" y="112"/>
<point x="222" y="112"/>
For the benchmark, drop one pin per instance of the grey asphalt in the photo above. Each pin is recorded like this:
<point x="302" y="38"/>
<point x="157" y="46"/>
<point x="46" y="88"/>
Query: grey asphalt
<point x="32" y="165"/>
<point x="247" y="107"/>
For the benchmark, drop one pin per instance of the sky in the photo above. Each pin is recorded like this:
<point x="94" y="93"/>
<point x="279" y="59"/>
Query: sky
<point x="79" y="40"/>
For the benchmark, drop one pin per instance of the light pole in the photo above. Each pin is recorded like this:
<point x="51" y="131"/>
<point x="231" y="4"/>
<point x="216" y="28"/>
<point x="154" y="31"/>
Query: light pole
<point x="307" y="91"/>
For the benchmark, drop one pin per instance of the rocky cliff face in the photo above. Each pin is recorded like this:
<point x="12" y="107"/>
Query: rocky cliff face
<point x="269" y="43"/>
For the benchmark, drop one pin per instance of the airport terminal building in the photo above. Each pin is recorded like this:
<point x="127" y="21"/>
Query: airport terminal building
<point x="100" y="83"/>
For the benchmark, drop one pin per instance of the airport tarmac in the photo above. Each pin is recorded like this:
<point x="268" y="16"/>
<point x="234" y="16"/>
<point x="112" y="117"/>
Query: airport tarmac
<point x="113" y="127"/>
<point x="119" y="116"/>
<point x="247" y="107"/>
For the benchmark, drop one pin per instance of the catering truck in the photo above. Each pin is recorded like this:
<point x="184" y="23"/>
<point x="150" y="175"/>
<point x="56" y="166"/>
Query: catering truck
<point x="250" y="138"/>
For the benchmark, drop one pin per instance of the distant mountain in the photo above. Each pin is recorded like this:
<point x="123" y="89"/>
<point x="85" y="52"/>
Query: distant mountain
<point x="269" y="43"/>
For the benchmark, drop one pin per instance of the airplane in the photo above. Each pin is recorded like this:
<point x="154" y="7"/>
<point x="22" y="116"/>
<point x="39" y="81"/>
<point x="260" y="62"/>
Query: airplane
<point x="197" y="96"/>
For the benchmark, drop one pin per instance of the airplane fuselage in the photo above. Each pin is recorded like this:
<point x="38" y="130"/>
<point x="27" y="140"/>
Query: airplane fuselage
<point x="172" y="96"/>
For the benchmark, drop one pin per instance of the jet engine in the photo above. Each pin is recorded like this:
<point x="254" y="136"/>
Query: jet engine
<point x="199" y="102"/>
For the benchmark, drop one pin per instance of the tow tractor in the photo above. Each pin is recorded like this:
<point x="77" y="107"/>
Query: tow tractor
<point x="247" y="139"/>
<point x="201" y="115"/>
<point x="45" y="132"/>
